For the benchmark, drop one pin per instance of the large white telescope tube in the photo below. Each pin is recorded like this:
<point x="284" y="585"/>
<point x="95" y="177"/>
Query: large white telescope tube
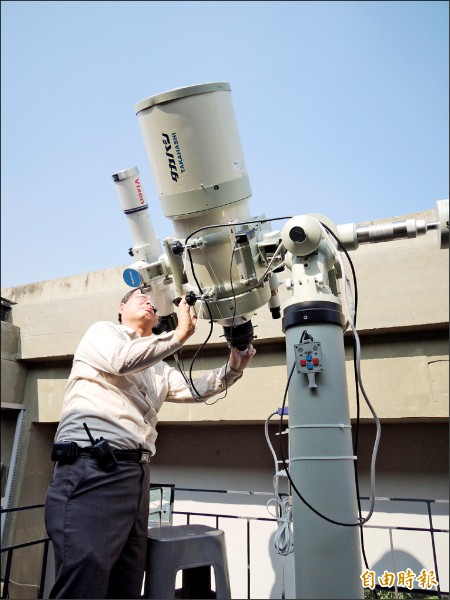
<point x="193" y="145"/>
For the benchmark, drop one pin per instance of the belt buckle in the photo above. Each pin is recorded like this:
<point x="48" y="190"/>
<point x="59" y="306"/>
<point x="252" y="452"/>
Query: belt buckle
<point x="145" y="457"/>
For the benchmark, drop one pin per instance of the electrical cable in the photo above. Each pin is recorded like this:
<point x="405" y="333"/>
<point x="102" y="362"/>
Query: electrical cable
<point x="283" y="460"/>
<point x="283" y="542"/>
<point x="361" y="521"/>
<point x="268" y="271"/>
<point x="278" y="249"/>
<point x="192" y="385"/>
<point x="198" y="351"/>
<point x="266" y="433"/>
<point x="187" y="250"/>
<point x="352" y="314"/>
<point x="259" y="282"/>
<point x="200" y="348"/>
<point x="231" y="331"/>
<point x="178" y="359"/>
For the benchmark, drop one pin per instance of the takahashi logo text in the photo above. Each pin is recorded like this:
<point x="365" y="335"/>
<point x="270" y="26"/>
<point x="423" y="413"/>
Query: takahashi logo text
<point x="172" y="148"/>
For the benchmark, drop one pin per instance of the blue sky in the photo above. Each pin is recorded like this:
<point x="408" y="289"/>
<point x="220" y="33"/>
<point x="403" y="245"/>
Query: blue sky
<point x="342" y="109"/>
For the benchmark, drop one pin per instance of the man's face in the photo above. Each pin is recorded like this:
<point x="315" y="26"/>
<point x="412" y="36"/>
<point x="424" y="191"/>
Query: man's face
<point x="138" y="310"/>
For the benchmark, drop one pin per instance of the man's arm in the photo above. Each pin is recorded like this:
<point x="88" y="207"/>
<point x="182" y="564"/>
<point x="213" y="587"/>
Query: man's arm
<point x="215" y="382"/>
<point x="103" y="347"/>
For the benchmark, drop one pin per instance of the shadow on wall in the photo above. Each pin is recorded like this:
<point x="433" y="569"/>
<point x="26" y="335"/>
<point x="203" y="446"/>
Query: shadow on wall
<point x="396" y="561"/>
<point x="284" y="569"/>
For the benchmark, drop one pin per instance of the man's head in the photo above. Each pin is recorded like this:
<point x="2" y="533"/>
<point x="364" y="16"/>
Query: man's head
<point x="136" y="311"/>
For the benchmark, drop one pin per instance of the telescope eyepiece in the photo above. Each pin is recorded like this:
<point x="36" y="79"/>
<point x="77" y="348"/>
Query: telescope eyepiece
<point x="240" y="336"/>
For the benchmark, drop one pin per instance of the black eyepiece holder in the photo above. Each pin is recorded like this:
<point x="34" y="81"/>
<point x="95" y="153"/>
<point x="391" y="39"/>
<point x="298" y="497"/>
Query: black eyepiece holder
<point x="240" y="336"/>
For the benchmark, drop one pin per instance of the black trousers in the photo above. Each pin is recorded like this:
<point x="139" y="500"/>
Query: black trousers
<point x="98" y="523"/>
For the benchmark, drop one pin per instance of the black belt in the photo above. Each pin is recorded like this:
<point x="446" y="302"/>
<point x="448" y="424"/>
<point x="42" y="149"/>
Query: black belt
<point x="142" y="456"/>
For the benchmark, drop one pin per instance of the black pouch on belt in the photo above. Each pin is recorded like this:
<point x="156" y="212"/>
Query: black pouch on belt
<point x="65" y="452"/>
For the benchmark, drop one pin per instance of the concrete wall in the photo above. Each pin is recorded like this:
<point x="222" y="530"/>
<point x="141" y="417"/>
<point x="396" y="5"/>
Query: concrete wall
<point x="13" y="373"/>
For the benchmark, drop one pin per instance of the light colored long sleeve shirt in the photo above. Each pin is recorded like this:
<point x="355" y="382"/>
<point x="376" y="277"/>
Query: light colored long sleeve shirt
<point x="119" y="382"/>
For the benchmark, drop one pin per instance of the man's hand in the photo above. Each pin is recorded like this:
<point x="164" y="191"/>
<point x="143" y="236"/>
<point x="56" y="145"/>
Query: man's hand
<point x="238" y="361"/>
<point x="186" y="322"/>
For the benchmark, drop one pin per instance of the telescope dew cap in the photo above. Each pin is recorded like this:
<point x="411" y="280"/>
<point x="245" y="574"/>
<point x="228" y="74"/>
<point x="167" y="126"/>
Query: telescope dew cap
<point x="182" y="92"/>
<point x="125" y="174"/>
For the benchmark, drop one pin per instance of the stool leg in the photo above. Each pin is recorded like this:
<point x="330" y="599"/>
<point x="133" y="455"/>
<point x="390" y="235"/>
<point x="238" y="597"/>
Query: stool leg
<point x="222" y="578"/>
<point x="157" y="587"/>
<point x="197" y="582"/>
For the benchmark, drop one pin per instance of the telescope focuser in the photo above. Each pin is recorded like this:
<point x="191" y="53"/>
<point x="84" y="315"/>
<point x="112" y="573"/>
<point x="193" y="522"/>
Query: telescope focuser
<point x="177" y="248"/>
<point x="191" y="298"/>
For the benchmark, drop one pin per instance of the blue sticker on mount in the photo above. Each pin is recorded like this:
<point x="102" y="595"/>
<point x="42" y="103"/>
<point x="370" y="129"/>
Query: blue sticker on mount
<point x="132" y="277"/>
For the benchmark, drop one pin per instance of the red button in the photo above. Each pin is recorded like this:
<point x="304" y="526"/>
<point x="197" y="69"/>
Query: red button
<point x="315" y="361"/>
<point x="303" y="362"/>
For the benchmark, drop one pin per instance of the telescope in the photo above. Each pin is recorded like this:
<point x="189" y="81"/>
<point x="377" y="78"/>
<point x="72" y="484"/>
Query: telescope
<point x="226" y="262"/>
<point x="219" y="254"/>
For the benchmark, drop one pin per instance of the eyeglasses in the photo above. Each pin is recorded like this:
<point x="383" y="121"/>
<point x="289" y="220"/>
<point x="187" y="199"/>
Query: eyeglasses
<point x="141" y="298"/>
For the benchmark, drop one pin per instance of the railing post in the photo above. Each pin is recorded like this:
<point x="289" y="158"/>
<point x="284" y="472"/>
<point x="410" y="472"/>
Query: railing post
<point x="433" y="545"/>
<point x="7" y="573"/>
<point x="44" y="569"/>
<point x="248" y="559"/>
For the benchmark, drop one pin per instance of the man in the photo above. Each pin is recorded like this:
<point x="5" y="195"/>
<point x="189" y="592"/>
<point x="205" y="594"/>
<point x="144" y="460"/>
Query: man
<point x="96" y="510"/>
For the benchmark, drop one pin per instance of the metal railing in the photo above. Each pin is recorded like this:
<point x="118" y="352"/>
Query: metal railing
<point x="161" y="515"/>
<point x="431" y="529"/>
<point x="218" y="518"/>
<point x="9" y="551"/>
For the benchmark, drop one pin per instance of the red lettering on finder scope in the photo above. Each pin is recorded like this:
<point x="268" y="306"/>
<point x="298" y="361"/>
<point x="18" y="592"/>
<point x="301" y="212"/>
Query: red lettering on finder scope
<point x="138" y="189"/>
